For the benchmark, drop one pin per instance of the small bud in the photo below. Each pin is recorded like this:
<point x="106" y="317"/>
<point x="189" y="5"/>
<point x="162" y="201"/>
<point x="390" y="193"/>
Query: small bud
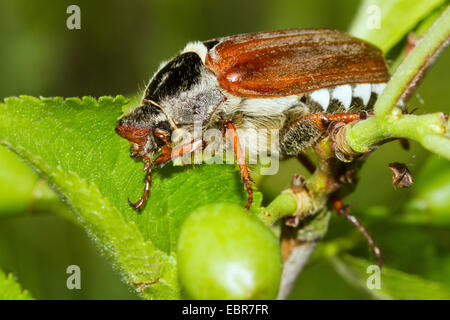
<point x="402" y="177"/>
<point x="297" y="183"/>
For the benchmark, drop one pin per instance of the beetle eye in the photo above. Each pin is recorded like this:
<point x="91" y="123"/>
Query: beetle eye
<point x="164" y="126"/>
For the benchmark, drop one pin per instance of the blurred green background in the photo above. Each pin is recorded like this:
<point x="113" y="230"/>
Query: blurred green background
<point x="118" y="48"/>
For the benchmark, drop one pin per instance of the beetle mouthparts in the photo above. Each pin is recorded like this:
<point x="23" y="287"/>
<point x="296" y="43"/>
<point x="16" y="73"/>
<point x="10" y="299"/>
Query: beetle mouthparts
<point x="132" y="133"/>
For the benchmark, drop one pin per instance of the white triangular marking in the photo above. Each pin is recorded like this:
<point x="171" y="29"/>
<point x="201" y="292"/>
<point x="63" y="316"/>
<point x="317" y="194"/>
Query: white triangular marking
<point x="362" y="91"/>
<point x="378" y="88"/>
<point x="343" y="94"/>
<point x="322" y="97"/>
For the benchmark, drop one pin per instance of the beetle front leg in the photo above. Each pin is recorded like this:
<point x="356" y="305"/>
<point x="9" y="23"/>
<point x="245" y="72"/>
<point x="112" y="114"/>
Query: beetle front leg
<point x="343" y="210"/>
<point x="167" y="154"/>
<point x="148" y="167"/>
<point x="186" y="148"/>
<point x="230" y="129"/>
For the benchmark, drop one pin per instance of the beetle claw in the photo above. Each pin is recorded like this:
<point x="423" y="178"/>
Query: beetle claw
<point x="148" y="181"/>
<point x="135" y="205"/>
<point x="131" y="204"/>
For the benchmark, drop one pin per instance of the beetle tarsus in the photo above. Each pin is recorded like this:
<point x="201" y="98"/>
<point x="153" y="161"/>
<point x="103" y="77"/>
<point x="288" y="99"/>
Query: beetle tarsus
<point x="249" y="193"/>
<point x="343" y="210"/>
<point x="134" y="205"/>
<point x="148" y="182"/>
<point x="167" y="154"/>
<point x="146" y="166"/>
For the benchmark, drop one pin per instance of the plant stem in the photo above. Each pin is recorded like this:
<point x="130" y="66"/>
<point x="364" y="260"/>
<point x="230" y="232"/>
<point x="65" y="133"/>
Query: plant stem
<point x="429" y="130"/>
<point x="419" y="58"/>
<point x="293" y="266"/>
<point x="301" y="247"/>
<point x="282" y="206"/>
<point x="305" y="201"/>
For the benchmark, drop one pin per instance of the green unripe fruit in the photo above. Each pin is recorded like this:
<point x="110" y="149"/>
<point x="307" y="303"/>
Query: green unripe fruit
<point x="225" y="252"/>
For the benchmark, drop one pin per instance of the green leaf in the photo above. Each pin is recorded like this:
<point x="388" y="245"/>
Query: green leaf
<point x="73" y="144"/>
<point x="23" y="192"/>
<point x="10" y="289"/>
<point x="12" y="195"/>
<point x="394" y="284"/>
<point x="396" y="19"/>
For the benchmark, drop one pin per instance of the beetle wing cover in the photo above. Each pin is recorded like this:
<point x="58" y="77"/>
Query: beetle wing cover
<point x="294" y="61"/>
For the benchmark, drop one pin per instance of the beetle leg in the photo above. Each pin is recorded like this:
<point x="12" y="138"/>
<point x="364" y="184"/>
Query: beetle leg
<point x="342" y="209"/>
<point x="306" y="162"/>
<point x="323" y="120"/>
<point x="195" y="144"/>
<point x="148" y="183"/>
<point x="230" y="129"/>
<point x="167" y="154"/>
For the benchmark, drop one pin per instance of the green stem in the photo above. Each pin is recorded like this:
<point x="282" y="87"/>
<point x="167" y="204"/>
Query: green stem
<point x="417" y="59"/>
<point x="282" y="206"/>
<point x="306" y="200"/>
<point x="427" y="129"/>
<point x="389" y="122"/>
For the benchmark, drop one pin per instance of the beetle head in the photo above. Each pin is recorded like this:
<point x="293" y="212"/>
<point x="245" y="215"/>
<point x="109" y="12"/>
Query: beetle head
<point x="144" y="127"/>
